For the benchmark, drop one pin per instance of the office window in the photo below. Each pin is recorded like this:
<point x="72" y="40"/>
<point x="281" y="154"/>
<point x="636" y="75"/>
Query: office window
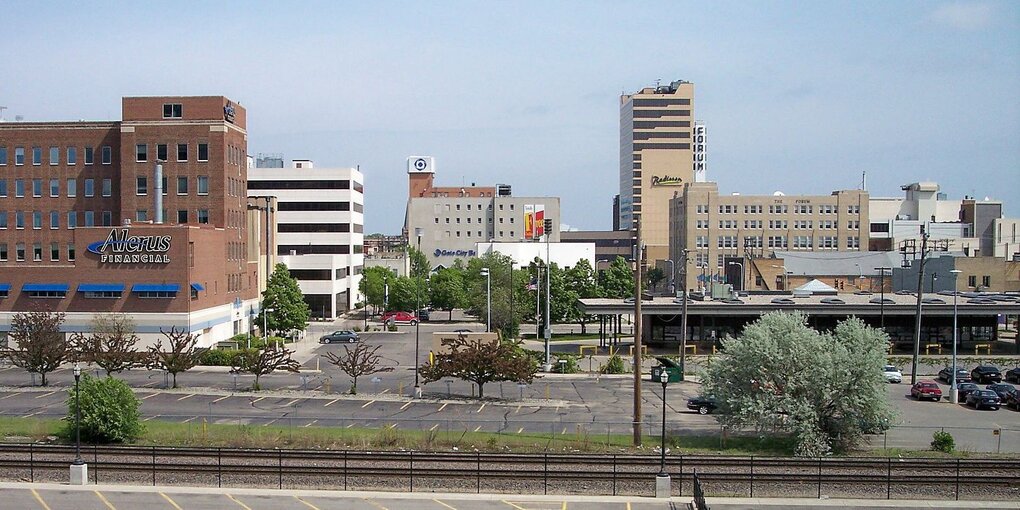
<point x="70" y="252"/>
<point x="203" y="184"/>
<point x="36" y="155"/>
<point x="54" y="156"/>
<point x="19" y="252"/>
<point x="141" y="153"/>
<point x="90" y="187"/>
<point x="182" y="152"/>
<point x="182" y="185"/>
<point x="182" y="216"/>
<point x="72" y="155"/>
<point x="3" y="220"/>
<point x="90" y="218"/>
<point x="161" y="152"/>
<point x="203" y="215"/>
<point x="36" y="220"/>
<point x="142" y="215"/>
<point x="19" y="187"/>
<point x="3" y="252"/>
<point x="141" y="185"/>
<point x="36" y="187"/>
<point x="54" y="252"/>
<point x="107" y="155"/>
<point x="54" y="219"/>
<point x="986" y="281"/>
<point x="107" y="187"/>
<point x="54" y="187"/>
<point x="19" y="156"/>
<point x="3" y="156"/>
<point x="72" y="219"/>
<point x="853" y="242"/>
<point x="972" y="281"/>
<point x="90" y="155"/>
<point x="72" y="188"/>
<point x="203" y="152"/>
<point x="173" y="111"/>
<point x="19" y="219"/>
<point x="37" y="252"/>
<point x="3" y="187"/>
<point x="107" y="218"/>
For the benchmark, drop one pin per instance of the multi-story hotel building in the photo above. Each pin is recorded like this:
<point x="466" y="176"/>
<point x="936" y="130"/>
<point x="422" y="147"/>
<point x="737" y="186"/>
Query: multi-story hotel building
<point x="719" y="229"/>
<point x="661" y="149"/>
<point x="320" y="230"/>
<point x="147" y="216"/>
<point x="453" y="219"/>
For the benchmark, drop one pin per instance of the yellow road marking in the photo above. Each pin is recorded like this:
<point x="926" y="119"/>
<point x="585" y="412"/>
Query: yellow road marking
<point x="172" y="503"/>
<point x="370" y="402"/>
<point x="564" y="507"/>
<point x="104" y="500"/>
<point x="480" y="408"/>
<point x="331" y="402"/>
<point x="478" y="428"/>
<point x="221" y="398"/>
<point x="9" y="396"/>
<point x="40" y="500"/>
<point x="186" y="396"/>
<point x="513" y="505"/>
<point x="45" y="394"/>
<point x="309" y="505"/>
<point x="444" y="504"/>
<point x="405" y="406"/>
<point x="434" y="427"/>
<point x="377" y="505"/>
<point x="628" y="505"/>
<point x="309" y="424"/>
<point x="440" y="407"/>
<point x="235" y="500"/>
<point x="150" y="395"/>
<point x="520" y="430"/>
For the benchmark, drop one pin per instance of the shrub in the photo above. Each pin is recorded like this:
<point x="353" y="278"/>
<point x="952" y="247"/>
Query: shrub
<point x="614" y="365"/>
<point x="567" y="367"/>
<point x="942" y="441"/>
<point x="109" y="411"/>
<point x="222" y="357"/>
<point x="357" y="329"/>
<point x="392" y="327"/>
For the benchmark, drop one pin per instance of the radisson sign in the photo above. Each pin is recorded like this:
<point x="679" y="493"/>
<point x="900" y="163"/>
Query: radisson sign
<point x="666" y="180"/>
<point x="122" y="248"/>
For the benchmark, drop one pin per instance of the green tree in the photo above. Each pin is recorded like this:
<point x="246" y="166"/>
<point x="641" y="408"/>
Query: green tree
<point x="282" y="294"/>
<point x="618" y="280"/>
<point x="41" y="347"/>
<point x="260" y="362"/>
<point x="581" y="281"/>
<point x="499" y="277"/>
<point x="654" y="276"/>
<point x="419" y="263"/>
<point x="362" y="360"/>
<point x="373" y="284"/>
<point x="780" y="376"/>
<point x="446" y="290"/>
<point x="110" y="344"/>
<point x="481" y="362"/>
<point x="178" y="356"/>
<point x="404" y="293"/>
<point x="109" y="411"/>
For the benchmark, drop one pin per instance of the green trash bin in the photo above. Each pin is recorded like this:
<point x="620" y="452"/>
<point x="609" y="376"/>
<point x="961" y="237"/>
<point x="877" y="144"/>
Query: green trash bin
<point x="675" y="371"/>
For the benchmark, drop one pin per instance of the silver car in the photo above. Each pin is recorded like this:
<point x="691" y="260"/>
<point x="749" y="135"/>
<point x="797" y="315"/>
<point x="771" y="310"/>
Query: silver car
<point x="892" y="374"/>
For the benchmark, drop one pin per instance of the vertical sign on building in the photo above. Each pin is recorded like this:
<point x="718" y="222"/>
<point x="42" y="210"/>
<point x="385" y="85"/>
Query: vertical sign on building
<point x="539" y="220"/>
<point x="699" y="151"/>
<point x="529" y="221"/>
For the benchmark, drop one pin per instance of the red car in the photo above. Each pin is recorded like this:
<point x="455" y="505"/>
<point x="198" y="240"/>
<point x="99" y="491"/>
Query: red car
<point x="926" y="389"/>
<point x="400" y="318"/>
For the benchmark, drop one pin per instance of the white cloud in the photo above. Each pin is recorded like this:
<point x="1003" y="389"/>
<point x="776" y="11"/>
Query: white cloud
<point x="963" y="16"/>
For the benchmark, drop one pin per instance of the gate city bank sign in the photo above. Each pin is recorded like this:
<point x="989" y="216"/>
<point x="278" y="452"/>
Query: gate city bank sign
<point x="122" y="248"/>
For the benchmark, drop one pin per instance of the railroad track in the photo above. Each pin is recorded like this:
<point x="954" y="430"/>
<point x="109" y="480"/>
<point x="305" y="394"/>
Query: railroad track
<point x="596" y="471"/>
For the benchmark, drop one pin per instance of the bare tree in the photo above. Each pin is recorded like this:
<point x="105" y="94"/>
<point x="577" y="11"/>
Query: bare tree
<point x="110" y="343"/>
<point x="179" y="356"/>
<point x="41" y="347"/>
<point x="265" y="361"/>
<point x="362" y="360"/>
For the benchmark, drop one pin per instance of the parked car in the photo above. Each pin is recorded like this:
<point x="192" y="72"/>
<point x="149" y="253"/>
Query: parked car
<point x="1001" y="389"/>
<point x="984" y="374"/>
<point x="926" y="389"/>
<point x="1012" y="400"/>
<point x="702" y="404"/>
<point x="400" y="318"/>
<point x="1013" y="375"/>
<point x="964" y="389"/>
<point x="339" y="336"/>
<point x="961" y="375"/>
<point x="423" y="315"/>
<point x="983" y="398"/>
<point x="892" y="374"/>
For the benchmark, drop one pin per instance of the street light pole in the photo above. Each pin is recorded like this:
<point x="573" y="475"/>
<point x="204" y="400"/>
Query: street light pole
<point x="881" y="305"/>
<point x="77" y="418"/>
<point x="488" y="300"/>
<point x="954" y="394"/>
<point x="417" y="326"/>
<point x="663" y="487"/>
<point x="265" y="331"/>
<point x="672" y="276"/>
<point x="513" y="318"/>
<point x="741" y="264"/>
<point x="683" y="316"/>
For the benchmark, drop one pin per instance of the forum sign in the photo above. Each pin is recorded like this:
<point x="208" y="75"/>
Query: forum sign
<point x="120" y="247"/>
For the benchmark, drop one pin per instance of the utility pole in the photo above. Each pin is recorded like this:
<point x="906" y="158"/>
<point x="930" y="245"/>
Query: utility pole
<point x="639" y="254"/>
<point x="917" y="318"/>
<point x="683" y="315"/>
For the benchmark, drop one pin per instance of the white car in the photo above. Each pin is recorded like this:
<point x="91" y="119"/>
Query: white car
<point x="892" y="374"/>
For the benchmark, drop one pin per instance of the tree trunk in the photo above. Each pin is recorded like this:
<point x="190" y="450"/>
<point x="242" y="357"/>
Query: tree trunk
<point x="174" y="374"/>
<point x="584" y="326"/>
<point x="43" y="374"/>
<point x="256" y="387"/>
<point x="481" y="390"/>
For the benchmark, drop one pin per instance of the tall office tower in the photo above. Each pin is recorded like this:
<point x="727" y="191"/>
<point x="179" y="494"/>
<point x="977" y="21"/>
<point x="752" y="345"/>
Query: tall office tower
<point x="656" y="159"/>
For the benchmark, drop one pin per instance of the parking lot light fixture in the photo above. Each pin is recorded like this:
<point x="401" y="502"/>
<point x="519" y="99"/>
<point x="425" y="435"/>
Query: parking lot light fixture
<point x="488" y="299"/>
<point x="664" y="379"/>
<point x="954" y="390"/>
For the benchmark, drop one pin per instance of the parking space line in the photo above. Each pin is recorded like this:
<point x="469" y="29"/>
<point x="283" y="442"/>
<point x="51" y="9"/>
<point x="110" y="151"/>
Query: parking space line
<point x="480" y="408"/>
<point x="520" y="430"/>
<point x="31" y="415"/>
<point x="9" y="396"/>
<point x="370" y="402"/>
<point x="44" y="395"/>
<point x="152" y="417"/>
<point x="331" y="402"/>
<point x="40" y="500"/>
<point x="444" y="504"/>
<point x="349" y="426"/>
<point x="628" y="505"/>
<point x="270" y="422"/>
<point x="385" y="390"/>
<point x="172" y="502"/>
<point x="309" y="424"/>
<point x="222" y="398"/>
<point x="513" y="505"/>
<point x="288" y="404"/>
<point x="517" y="410"/>
<point x="150" y="395"/>
<point x="150" y="384"/>
<point x="564" y="431"/>
<point x="189" y="419"/>
<point x="104" y="500"/>
<point x="373" y="503"/>
<point x="186" y="396"/>
<point x="405" y="406"/>
<point x="235" y="500"/>
<point x="443" y="407"/>
<point x="478" y="428"/>
<point x="309" y="505"/>
<point x="256" y="401"/>
<point x="434" y="427"/>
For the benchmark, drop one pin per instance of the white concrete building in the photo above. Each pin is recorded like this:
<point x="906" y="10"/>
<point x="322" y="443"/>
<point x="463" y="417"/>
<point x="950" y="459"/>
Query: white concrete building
<point x="320" y="230"/>
<point x="562" y="254"/>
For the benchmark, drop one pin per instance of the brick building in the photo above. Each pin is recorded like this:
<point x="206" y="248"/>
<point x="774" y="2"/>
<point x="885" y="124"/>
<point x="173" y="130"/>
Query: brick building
<point x="87" y="227"/>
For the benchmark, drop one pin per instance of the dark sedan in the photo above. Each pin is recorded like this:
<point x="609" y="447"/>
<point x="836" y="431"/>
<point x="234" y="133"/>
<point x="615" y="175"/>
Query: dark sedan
<point x="961" y="375"/>
<point x="702" y="404"/>
<point x="965" y="389"/>
<point x="983" y="398"/>
<point x="985" y="374"/>
<point x="1001" y="389"/>
<point x="1013" y="375"/>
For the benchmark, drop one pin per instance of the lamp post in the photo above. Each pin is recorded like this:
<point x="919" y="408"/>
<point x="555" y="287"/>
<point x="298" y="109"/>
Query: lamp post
<point x="741" y="264"/>
<point x="417" y="325"/>
<point x="513" y="318"/>
<point x="265" y="331"/>
<point x="934" y="277"/>
<point x="672" y="275"/>
<point x="860" y="275"/>
<point x="954" y="394"/>
<point x="683" y="316"/>
<point x="79" y="470"/>
<point x="881" y="305"/>
<point x="488" y="299"/>
<point x="662" y="481"/>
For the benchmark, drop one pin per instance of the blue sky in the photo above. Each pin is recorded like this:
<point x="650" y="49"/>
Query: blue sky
<point x="797" y="96"/>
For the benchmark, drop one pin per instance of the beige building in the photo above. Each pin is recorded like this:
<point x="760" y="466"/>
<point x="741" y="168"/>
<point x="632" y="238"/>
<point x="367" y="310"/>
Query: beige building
<point x="657" y="157"/>
<point x="720" y="229"/>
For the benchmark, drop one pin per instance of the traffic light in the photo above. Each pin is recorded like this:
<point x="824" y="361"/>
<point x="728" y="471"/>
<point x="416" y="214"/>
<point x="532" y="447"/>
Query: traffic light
<point x="548" y="226"/>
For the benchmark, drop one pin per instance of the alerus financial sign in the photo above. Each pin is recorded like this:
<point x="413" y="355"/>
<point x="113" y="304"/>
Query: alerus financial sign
<point x="120" y="247"/>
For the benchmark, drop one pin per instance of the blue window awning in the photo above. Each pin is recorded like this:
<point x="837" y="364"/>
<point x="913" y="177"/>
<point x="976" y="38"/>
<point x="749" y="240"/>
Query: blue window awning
<point x="45" y="287"/>
<point x="155" y="287"/>
<point x="197" y="287"/>
<point x="5" y="287"/>
<point x="100" y="287"/>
